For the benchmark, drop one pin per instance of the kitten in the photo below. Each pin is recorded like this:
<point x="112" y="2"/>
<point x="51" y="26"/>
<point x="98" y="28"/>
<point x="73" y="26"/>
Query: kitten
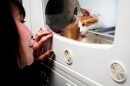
<point x="71" y="31"/>
<point x="78" y="30"/>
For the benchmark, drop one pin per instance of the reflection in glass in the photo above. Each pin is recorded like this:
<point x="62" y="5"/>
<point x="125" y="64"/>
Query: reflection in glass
<point x="61" y="13"/>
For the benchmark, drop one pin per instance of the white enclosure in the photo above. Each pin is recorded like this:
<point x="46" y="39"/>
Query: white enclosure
<point x="86" y="64"/>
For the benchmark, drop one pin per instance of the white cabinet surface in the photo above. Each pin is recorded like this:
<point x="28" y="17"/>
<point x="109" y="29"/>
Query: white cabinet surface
<point x="91" y="62"/>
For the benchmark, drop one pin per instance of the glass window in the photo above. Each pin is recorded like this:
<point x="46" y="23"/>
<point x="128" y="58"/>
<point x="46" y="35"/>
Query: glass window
<point x="90" y="21"/>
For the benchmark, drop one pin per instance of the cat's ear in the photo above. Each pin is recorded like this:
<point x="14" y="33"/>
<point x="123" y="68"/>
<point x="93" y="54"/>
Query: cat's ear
<point x="85" y="12"/>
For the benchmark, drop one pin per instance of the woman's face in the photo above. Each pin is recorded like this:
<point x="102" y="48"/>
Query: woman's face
<point x="26" y="39"/>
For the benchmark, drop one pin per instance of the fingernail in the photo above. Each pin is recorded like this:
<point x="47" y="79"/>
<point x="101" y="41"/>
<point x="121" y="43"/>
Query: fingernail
<point x="41" y="28"/>
<point x="52" y="55"/>
<point x="51" y="52"/>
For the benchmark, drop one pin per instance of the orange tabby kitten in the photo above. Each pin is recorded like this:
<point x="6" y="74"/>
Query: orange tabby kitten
<point x="78" y="30"/>
<point x="71" y="31"/>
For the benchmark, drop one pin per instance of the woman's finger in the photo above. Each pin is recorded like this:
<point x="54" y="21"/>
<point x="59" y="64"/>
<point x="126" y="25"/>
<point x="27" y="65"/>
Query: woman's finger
<point x="38" y="44"/>
<point x="44" y="56"/>
<point x="44" y="39"/>
<point x="39" y="35"/>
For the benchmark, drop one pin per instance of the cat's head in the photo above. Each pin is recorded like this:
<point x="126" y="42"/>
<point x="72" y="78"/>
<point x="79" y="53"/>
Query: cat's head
<point x="86" y="22"/>
<point x="89" y="20"/>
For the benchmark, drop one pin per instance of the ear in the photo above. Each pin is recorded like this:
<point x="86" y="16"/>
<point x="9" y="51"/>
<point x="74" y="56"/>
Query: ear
<point x="85" y="12"/>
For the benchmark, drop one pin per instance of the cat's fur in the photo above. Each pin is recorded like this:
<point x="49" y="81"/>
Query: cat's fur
<point x="78" y="30"/>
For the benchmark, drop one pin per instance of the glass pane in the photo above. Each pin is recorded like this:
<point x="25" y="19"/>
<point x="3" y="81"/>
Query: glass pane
<point x="90" y="21"/>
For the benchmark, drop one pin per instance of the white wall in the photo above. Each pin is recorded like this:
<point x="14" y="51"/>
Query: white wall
<point x="34" y="15"/>
<point x="107" y="8"/>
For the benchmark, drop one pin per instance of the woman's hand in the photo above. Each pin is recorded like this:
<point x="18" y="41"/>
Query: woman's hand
<point x="40" y="38"/>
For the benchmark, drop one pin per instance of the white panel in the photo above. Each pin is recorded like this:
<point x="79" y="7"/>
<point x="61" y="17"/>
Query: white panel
<point x="93" y="60"/>
<point x="59" y="77"/>
<point x="36" y="15"/>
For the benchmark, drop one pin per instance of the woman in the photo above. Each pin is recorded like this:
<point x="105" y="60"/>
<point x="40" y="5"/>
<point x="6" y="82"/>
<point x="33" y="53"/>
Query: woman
<point x="21" y="55"/>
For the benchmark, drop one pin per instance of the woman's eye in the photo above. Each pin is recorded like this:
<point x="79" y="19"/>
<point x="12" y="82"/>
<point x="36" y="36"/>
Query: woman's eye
<point x="23" y="21"/>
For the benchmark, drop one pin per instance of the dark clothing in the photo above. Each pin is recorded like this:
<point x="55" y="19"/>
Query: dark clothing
<point x="33" y="75"/>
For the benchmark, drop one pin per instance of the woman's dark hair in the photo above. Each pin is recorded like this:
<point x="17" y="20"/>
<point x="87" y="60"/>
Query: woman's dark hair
<point x="19" y="6"/>
<point x="9" y="36"/>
